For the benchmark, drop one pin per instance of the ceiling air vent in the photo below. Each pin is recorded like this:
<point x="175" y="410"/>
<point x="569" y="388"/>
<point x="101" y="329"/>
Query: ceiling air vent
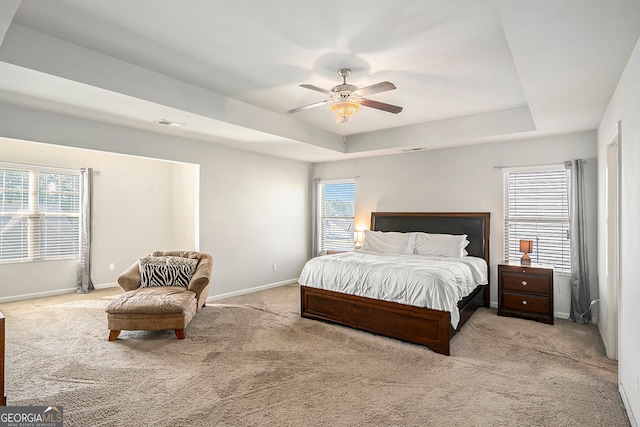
<point x="170" y="123"/>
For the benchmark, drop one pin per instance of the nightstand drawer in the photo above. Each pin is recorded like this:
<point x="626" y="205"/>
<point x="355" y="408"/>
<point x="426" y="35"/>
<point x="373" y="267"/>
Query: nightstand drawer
<point x="525" y="303"/>
<point x="525" y="282"/>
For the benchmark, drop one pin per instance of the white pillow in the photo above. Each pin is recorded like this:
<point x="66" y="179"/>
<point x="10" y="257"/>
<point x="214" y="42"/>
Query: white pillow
<point x="389" y="242"/>
<point x="447" y="245"/>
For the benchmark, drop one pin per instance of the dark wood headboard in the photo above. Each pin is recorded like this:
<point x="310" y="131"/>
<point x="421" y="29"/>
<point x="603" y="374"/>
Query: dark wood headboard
<point x="474" y="225"/>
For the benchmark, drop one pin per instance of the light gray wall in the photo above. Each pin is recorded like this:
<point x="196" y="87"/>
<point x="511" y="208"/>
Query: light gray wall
<point x="465" y="179"/>
<point x="185" y="192"/>
<point x="253" y="209"/>
<point x="134" y="213"/>
<point x="625" y="107"/>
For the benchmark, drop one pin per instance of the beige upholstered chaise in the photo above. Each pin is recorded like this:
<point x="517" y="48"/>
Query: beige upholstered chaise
<point x="160" y="307"/>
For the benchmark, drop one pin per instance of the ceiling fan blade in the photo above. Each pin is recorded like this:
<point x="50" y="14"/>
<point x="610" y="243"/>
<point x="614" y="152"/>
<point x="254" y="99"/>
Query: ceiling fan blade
<point x="376" y="88"/>
<point x="306" y="107"/>
<point x="316" y="88"/>
<point x="380" y="106"/>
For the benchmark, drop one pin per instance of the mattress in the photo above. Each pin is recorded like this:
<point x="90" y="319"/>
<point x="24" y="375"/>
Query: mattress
<point x="422" y="281"/>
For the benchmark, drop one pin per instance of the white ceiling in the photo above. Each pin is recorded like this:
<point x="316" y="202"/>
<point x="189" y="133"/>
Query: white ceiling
<point x="466" y="71"/>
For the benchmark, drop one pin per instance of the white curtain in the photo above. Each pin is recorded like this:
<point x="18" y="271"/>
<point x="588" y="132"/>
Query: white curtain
<point x="85" y="284"/>
<point x="580" y="298"/>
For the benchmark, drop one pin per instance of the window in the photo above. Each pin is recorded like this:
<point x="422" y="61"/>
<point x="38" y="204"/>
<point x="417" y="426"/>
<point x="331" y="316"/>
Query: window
<point x="536" y="208"/>
<point x="337" y="206"/>
<point x="39" y="214"/>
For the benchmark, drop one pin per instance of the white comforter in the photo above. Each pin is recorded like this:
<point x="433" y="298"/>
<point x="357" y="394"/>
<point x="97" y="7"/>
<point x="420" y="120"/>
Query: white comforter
<point x="422" y="281"/>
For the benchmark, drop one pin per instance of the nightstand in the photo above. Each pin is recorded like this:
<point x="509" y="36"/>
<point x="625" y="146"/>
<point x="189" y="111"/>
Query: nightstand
<point x="525" y="291"/>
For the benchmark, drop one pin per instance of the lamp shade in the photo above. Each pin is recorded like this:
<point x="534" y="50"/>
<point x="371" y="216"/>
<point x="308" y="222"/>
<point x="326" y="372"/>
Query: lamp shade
<point x="345" y="109"/>
<point x="358" y="238"/>
<point x="526" y="246"/>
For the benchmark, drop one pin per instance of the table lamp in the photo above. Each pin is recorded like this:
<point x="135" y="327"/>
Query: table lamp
<point x="526" y="247"/>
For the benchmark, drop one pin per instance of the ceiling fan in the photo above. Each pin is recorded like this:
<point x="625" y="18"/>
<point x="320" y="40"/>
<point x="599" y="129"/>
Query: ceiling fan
<point x="346" y="99"/>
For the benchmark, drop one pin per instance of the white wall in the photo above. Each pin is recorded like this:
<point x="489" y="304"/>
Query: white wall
<point x="465" y="179"/>
<point x="134" y="213"/>
<point x="185" y="192"/>
<point x="625" y="107"/>
<point x="253" y="209"/>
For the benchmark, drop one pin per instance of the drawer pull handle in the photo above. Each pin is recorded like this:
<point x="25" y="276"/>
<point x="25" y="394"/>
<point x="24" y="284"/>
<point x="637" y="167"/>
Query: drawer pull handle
<point x="524" y="283"/>
<point x="524" y="303"/>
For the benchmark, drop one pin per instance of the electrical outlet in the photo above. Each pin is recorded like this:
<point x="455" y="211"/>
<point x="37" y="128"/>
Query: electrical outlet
<point x="112" y="266"/>
<point x="275" y="267"/>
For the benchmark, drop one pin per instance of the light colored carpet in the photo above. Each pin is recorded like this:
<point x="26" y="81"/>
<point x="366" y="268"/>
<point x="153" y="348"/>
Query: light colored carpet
<point x="253" y="361"/>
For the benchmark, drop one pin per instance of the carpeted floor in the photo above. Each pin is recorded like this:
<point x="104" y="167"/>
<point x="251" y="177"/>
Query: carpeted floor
<point x="252" y="361"/>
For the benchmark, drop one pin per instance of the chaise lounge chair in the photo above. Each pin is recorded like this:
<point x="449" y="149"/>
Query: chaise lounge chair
<point x="161" y="295"/>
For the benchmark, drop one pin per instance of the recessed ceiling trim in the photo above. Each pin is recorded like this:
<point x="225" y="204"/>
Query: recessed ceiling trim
<point x="427" y="135"/>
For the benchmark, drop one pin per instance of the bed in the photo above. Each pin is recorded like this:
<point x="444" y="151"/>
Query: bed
<point x="419" y="325"/>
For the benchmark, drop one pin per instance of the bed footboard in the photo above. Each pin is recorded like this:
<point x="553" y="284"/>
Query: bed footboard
<point x="431" y="328"/>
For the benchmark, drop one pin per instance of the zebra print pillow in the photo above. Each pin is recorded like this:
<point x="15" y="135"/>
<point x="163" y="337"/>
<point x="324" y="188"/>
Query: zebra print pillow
<point x="166" y="271"/>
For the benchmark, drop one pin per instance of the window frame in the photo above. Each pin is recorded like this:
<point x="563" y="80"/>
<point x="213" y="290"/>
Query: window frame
<point x="349" y="238"/>
<point x="559" y="255"/>
<point x="43" y="236"/>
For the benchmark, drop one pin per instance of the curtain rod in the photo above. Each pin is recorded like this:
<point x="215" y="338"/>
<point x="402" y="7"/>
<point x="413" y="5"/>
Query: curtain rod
<point x="336" y="179"/>
<point x="32" y="166"/>
<point x="536" y="166"/>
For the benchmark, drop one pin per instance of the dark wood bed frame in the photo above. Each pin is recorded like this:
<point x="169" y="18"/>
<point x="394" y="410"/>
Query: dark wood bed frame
<point x="428" y="327"/>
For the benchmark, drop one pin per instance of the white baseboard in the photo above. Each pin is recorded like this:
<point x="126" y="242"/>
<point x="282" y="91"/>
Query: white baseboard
<point x="251" y="290"/>
<point x="44" y="294"/>
<point x="37" y="295"/>
<point x="625" y="401"/>
<point x="107" y="285"/>
<point x="115" y="284"/>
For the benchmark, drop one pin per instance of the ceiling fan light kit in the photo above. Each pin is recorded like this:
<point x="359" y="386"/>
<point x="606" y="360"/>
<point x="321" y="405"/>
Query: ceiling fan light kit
<point x="344" y="110"/>
<point x="345" y="99"/>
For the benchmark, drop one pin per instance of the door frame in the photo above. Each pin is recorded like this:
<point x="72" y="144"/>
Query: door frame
<point x="612" y="261"/>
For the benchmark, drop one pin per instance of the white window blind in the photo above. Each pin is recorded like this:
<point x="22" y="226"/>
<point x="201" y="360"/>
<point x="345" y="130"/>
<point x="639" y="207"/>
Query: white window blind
<point x="39" y="214"/>
<point x="337" y="207"/>
<point x="536" y="208"/>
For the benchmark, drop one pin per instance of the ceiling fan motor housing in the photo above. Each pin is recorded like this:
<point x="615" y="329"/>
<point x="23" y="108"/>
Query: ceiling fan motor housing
<point x="344" y="88"/>
<point x="344" y="96"/>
